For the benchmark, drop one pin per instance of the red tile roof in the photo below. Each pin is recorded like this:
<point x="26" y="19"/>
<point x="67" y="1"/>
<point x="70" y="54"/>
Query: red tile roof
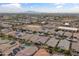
<point x="42" y="52"/>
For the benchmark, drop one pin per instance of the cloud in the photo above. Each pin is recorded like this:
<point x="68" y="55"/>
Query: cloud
<point x="39" y="1"/>
<point x="10" y="1"/>
<point x="12" y="7"/>
<point x="59" y="6"/>
<point x="76" y="6"/>
<point x="17" y="7"/>
<point x="59" y="3"/>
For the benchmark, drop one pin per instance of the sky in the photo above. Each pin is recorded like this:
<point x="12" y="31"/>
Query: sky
<point x="39" y="7"/>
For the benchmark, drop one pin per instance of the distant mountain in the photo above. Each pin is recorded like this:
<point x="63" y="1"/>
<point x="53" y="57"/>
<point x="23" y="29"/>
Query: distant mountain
<point x="32" y="12"/>
<point x="39" y="13"/>
<point x="22" y="12"/>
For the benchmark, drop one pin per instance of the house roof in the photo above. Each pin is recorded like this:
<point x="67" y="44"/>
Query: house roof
<point x="38" y="39"/>
<point x="64" y="44"/>
<point x="75" y="45"/>
<point x="52" y="42"/>
<point x="28" y="51"/>
<point x="41" y="52"/>
<point x="68" y="28"/>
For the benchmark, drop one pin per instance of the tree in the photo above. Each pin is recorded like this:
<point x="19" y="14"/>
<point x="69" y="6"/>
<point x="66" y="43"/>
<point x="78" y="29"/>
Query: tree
<point x="34" y="32"/>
